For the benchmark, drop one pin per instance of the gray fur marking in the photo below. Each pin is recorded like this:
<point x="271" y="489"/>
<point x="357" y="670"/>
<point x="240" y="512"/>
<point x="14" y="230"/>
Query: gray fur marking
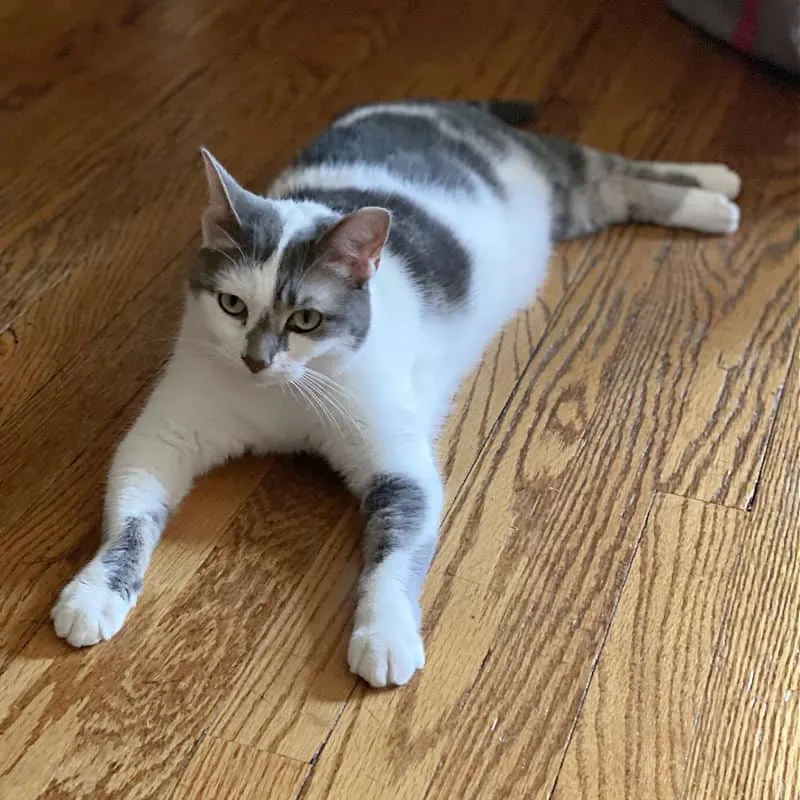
<point x="260" y="232"/>
<point x="206" y="267"/>
<point x="591" y="190"/>
<point x="409" y="145"/>
<point x="124" y="559"/>
<point x="262" y="343"/>
<point x="438" y="263"/>
<point x="349" y="314"/>
<point x="394" y="507"/>
<point x="252" y="242"/>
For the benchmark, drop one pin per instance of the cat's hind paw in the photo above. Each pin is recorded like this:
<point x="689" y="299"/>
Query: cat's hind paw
<point x="718" y="178"/>
<point x="88" y="611"/>
<point x="387" y="651"/>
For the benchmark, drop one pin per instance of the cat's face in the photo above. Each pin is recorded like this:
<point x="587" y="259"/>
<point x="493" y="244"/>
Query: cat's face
<point x="280" y="284"/>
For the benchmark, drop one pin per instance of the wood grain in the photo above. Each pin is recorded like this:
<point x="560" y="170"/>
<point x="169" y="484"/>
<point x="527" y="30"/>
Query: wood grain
<point x="747" y="738"/>
<point x="201" y="643"/>
<point x="653" y="364"/>
<point x="232" y="772"/>
<point x="637" y="721"/>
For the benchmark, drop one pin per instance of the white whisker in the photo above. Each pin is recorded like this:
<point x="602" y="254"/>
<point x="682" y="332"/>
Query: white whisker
<point x="323" y="390"/>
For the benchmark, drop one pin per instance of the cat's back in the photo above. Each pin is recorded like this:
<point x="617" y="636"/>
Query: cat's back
<point x="452" y="148"/>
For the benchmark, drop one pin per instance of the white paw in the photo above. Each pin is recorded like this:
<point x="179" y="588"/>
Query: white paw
<point x="721" y="215"/>
<point x="388" y="650"/>
<point x="708" y="212"/>
<point x="719" y="179"/>
<point x="87" y="612"/>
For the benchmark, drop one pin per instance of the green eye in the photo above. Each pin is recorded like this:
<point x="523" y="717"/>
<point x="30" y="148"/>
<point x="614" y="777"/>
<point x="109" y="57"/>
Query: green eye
<point x="233" y="305"/>
<point x="304" y="321"/>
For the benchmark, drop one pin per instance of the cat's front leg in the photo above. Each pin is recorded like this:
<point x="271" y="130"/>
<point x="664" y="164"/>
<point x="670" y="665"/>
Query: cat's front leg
<point x="401" y="503"/>
<point x="152" y="470"/>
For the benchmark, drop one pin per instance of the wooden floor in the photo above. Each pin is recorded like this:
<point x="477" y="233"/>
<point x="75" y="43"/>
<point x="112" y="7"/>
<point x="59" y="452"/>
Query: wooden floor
<point x="614" y="611"/>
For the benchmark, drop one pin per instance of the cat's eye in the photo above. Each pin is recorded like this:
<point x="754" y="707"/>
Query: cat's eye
<point x="233" y="305"/>
<point x="304" y="321"/>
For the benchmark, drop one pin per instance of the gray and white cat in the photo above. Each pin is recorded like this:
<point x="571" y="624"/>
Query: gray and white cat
<point x="338" y="314"/>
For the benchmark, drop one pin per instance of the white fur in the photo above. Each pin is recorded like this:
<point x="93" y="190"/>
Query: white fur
<point x="706" y="211"/>
<point x="87" y="610"/>
<point x="716" y="178"/>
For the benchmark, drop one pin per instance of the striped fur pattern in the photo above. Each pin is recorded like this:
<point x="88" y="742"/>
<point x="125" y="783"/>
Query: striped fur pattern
<point x="338" y="314"/>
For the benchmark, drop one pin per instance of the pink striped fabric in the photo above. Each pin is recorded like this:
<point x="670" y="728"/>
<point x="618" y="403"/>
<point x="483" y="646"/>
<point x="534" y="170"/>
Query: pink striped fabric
<point x="746" y="30"/>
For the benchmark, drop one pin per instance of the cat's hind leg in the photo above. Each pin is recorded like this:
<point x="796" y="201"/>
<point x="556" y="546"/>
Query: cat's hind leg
<point x="592" y="190"/>
<point x="717" y="178"/>
<point x="676" y="206"/>
<point x="622" y="198"/>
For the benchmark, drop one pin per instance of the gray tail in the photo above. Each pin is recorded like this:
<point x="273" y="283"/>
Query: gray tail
<point x="512" y="112"/>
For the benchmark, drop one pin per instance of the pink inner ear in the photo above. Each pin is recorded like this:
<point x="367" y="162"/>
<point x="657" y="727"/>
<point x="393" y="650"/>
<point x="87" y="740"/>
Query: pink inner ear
<point x="356" y="242"/>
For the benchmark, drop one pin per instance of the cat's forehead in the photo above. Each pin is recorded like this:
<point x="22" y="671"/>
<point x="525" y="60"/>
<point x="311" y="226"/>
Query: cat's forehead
<point x="280" y="274"/>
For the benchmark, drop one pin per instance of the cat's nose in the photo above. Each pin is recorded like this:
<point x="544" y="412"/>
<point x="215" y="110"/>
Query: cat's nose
<point x="255" y="365"/>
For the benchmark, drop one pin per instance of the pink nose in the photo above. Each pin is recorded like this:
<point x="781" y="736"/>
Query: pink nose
<point x="255" y="365"/>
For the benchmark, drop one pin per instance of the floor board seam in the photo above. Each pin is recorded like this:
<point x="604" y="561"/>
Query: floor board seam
<point x="601" y="648"/>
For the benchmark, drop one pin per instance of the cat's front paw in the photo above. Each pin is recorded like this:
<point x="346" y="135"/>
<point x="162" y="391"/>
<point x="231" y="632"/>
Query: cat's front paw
<point x="387" y="650"/>
<point x="88" y="611"/>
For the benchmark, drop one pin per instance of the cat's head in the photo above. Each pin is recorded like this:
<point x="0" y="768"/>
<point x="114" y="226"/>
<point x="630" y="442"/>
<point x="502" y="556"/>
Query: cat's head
<point x="278" y="284"/>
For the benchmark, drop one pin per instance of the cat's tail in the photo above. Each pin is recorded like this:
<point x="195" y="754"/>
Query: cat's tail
<point x="512" y="112"/>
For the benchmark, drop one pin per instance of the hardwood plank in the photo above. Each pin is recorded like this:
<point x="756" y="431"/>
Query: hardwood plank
<point x="224" y="770"/>
<point x="162" y="678"/>
<point x="97" y="73"/>
<point x="747" y="738"/>
<point x="718" y="450"/>
<point x="61" y="422"/>
<point x="637" y="720"/>
<point x="297" y="683"/>
<point x="397" y="739"/>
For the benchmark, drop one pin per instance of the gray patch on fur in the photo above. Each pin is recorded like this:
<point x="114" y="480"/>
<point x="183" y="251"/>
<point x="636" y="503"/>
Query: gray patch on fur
<point x="434" y="258"/>
<point x="263" y="343"/>
<point x="206" y="267"/>
<point x="394" y="507"/>
<point x="251" y="243"/>
<point x="347" y="312"/>
<point x="260" y="232"/>
<point x="124" y="560"/>
<point x="645" y="173"/>
<point x="414" y="147"/>
<point x="591" y="189"/>
<point x="562" y="162"/>
<point x="298" y="257"/>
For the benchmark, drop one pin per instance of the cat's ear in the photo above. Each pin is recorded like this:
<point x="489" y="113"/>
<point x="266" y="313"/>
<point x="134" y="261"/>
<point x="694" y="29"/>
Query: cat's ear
<point x="221" y="222"/>
<point x="354" y="245"/>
